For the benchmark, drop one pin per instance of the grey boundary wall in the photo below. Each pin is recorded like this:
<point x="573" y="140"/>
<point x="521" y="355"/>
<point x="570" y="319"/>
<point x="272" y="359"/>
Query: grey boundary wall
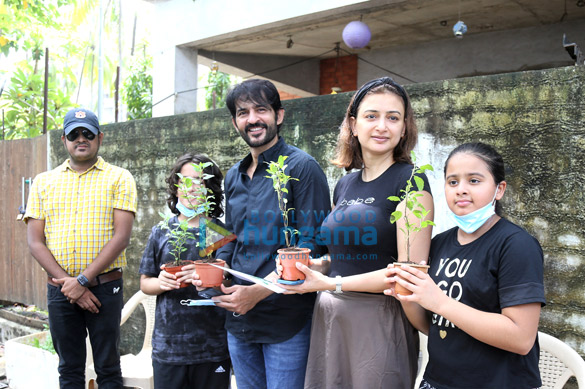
<point x="535" y="119"/>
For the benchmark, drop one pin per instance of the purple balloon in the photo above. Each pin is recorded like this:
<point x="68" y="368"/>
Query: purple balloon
<point x="356" y="34"/>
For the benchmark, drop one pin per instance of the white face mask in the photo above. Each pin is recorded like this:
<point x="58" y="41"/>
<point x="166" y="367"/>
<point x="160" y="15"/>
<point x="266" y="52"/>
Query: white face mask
<point x="472" y="221"/>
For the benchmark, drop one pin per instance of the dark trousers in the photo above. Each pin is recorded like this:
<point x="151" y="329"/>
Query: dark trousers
<point x="207" y="375"/>
<point x="69" y="325"/>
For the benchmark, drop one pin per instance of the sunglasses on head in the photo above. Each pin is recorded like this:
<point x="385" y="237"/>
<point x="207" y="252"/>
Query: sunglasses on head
<point x="87" y="134"/>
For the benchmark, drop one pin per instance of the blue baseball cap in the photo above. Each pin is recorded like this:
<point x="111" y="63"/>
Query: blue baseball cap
<point x="81" y="117"/>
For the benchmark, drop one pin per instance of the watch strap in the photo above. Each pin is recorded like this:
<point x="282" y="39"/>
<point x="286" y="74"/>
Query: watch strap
<point x="338" y="280"/>
<point x="83" y="281"/>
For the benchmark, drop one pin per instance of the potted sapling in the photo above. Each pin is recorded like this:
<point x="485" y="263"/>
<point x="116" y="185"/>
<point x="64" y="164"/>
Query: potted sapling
<point x="289" y="255"/>
<point x="200" y="199"/>
<point x="178" y="235"/>
<point x="414" y="215"/>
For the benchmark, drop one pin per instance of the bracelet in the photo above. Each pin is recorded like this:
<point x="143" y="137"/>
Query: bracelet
<point x="338" y="285"/>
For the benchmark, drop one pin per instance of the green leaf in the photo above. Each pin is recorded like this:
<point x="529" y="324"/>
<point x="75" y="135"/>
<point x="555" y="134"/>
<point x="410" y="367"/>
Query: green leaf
<point x="409" y="204"/>
<point x="394" y="198"/>
<point x="420" y="183"/>
<point x="396" y="215"/>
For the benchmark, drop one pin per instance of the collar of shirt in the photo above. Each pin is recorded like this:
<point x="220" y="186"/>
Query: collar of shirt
<point x="99" y="164"/>
<point x="269" y="155"/>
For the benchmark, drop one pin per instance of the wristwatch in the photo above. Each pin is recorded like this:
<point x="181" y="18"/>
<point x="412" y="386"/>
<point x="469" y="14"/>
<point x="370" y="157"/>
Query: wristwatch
<point x="83" y="281"/>
<point x="338" y="285"/>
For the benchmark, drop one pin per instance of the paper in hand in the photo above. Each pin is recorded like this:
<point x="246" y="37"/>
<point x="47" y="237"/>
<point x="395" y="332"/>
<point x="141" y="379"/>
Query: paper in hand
<point x="257" y="280"/>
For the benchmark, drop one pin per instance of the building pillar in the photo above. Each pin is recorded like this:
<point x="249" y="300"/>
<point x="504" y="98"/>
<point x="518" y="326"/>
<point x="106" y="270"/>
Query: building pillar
<point x="174" y="92"/>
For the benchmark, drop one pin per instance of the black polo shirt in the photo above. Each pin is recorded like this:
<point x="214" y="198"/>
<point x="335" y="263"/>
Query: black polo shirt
<point x="252" y="214"/>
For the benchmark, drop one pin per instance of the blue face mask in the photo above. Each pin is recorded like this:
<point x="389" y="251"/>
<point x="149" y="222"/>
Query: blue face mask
<point x="187" y="212"/>
<point x="472" y="221"/>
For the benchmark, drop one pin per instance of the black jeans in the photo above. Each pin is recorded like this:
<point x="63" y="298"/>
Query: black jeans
<point x="69" y="325"/>
<point x="205" y="375"/>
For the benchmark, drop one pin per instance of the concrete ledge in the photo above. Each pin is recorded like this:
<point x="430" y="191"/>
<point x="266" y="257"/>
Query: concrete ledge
<point x="22" y="359"/>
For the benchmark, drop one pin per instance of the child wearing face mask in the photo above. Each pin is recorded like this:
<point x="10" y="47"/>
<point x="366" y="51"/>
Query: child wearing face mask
<point x="480" y="302"/>
<point x="189" y="343"/>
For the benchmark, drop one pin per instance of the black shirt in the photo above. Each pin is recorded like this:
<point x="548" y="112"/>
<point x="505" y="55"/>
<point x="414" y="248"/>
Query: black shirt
<point x="502" y="268"/>
<point x="252" y="213"/>
<point x="358" y="231"/>
<point x="182" y="334"/>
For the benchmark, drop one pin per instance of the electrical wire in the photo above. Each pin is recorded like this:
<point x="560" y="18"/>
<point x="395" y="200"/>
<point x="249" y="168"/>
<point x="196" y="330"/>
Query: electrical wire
<point x="253" y="75"/>
<point x="381" y="68"/>
<point x="284" y="67"/>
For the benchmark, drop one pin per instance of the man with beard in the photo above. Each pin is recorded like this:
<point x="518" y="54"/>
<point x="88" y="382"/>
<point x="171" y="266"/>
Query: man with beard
<point x="268" y="334"/>
<point x="79" y="218"/>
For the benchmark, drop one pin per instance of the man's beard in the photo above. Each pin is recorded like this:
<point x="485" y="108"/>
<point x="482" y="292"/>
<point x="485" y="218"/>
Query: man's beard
<point x="271" y="131"/>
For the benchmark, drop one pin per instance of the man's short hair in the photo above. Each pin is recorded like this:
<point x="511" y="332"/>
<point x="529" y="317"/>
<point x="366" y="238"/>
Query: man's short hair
<point x="257" y="91"/>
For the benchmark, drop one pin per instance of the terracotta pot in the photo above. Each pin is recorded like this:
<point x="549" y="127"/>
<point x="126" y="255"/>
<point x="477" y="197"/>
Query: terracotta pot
<point x="288" y="259"/>
<point x="401" y="289"/>
<point x="210" y="276"/>
<point x="170" y="267"/>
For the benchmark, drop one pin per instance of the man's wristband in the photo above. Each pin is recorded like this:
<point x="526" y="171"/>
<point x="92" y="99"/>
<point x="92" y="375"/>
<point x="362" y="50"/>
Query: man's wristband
<point x="83" y="281"/>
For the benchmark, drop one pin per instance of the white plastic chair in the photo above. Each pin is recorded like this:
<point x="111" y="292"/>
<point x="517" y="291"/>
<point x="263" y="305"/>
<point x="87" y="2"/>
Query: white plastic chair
<point x="558" y="362"/>
<point x="136" y="369"/>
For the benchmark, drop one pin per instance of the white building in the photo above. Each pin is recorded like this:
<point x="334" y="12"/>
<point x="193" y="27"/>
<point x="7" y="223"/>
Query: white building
<point x="293" y="43"/>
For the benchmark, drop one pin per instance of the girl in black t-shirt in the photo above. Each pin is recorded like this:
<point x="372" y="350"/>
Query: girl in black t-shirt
<point x="480" y="302"/>
<point x="189" y="343"/>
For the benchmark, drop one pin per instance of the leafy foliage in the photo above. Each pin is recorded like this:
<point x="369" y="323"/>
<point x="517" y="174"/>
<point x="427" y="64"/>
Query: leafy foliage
<point x="24" y="103"/>
<point x="137" y="92"/>
<point x="178" y="235"/>
<point x="69" y="28"/>
<point x="218" y="85"/>
<point x="200" y="199"/>
<point x="276" y="172"/>
<point x="195" y="191"/>
<point x="20" y="21"/>
<point x="47" y="344"/>
<point x="413" y="206"/>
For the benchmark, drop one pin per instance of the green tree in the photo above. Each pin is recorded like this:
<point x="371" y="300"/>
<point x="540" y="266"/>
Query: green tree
<point x="137" y="91"/>
<point x="69" y="28"/>
<point x="22" y="20"/>
<point x="24" y="103"/>
<point x="218" y="85"/>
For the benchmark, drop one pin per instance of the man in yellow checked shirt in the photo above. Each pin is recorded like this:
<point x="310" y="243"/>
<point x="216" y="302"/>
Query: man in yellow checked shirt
<point x="80" y="217"/>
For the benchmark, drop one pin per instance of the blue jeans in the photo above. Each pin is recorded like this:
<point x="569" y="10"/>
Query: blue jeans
<point x="69" y="325"/>
<point x="271" y="365"/>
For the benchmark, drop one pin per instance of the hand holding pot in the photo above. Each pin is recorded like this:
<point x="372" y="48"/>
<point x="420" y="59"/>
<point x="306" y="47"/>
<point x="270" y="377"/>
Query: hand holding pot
<point x="195" y="279"/>
<point x="168" y="281"/>
<point x="314" y="281"/>
<point x="321" y="264"/>
<point x="424" y="290"/>
<point x="186" y="274"/>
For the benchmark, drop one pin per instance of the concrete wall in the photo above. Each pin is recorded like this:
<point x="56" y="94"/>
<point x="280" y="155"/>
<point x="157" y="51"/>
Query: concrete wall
<point x="535" y="119"/>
